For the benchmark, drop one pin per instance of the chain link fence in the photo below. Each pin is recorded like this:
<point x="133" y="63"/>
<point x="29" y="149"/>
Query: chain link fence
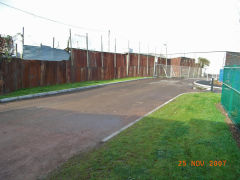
<point x="231" y="92"/>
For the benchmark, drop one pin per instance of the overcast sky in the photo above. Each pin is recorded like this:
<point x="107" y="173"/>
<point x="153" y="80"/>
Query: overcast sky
<point x="185" y="25"/>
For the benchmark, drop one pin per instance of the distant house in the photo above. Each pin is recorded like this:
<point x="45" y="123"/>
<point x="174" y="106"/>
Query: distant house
<point x="232" y="58"/>
<point x="46" y="53"/>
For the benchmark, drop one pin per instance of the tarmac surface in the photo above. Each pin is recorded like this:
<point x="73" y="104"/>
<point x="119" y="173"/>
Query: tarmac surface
<point x="37" y="135"/>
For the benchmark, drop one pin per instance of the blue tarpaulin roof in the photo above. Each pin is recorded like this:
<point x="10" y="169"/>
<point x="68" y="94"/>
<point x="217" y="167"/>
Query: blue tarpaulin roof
<point x="46" y="53"/>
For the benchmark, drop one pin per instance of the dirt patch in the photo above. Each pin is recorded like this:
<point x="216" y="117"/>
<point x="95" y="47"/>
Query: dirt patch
<point x="234" y="130"/>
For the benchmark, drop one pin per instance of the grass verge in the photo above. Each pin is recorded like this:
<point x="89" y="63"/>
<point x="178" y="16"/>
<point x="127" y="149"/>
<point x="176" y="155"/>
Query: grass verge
<point x="35" y="90"/>
<point x="188" y="129"/>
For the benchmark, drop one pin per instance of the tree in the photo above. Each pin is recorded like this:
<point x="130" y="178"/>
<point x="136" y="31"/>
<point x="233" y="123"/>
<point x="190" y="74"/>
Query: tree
<point x="6" y="46"/>
<point x="203" y="62"/>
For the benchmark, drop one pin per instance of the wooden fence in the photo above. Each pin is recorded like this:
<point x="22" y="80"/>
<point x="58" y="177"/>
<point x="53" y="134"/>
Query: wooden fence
<point x="83" y="66"/>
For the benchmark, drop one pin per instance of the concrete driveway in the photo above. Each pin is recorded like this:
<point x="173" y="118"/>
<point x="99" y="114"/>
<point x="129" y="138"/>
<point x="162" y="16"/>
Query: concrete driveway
<point x="39" y="134"/>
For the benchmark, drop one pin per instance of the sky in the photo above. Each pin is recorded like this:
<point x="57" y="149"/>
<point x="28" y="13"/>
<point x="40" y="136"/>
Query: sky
<point x="185" y="26"/>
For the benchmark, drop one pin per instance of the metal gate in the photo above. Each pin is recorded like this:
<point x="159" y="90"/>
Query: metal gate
<point x="177" y="71"/>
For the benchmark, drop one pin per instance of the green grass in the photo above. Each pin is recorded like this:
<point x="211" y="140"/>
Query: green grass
<point x="189" y="128"/>
<point x="34" y="90"/>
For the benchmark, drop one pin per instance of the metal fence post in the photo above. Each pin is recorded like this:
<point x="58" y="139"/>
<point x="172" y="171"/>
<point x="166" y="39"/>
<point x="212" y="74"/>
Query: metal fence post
<point x="128" y="58"/>
<point x="147" y="59"/>
<point x="189" y="71"/>
<point x="53" y="41"/>
<point x="180" y="71"/>
<point x="22" y="42"/>
<point x="16" y="50"/>
<point x="115" y="57"/>
<point x="154" y="62"/>
<point x="108" y="40"/>
<point x="87" y="49"/>
<point x="138" y="57"/>
<point x="70" y="38"/>
<point x="101" y="51"/>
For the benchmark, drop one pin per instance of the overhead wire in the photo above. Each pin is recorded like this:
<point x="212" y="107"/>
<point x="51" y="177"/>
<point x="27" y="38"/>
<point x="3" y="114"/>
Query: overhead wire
<point x="52" y="20"/>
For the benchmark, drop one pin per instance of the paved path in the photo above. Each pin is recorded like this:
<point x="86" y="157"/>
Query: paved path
<point x="39" y="134"/>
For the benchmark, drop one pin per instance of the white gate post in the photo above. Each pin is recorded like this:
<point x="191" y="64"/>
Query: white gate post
<point x="189" y="71"/>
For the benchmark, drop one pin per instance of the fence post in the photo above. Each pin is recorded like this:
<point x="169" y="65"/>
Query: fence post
<point x="128" y="58"/>
<point x="70" y="38"/>
<point x="53" y="41"/>
<point x="115" y="58"/>
<point x="101" y="51"/>
<point x="147" y="59"/>
<point x="22" y="42"/>
<point x="180" y="70"/>
<point x="171" y="70"/>
<point x="87" y="50"/>
<point x="189" y="71"/>
<point x="154" y="63"/>
<point x="16" y="50"/>
<point x="108" y="40"/>
<point x="138" y="58"/>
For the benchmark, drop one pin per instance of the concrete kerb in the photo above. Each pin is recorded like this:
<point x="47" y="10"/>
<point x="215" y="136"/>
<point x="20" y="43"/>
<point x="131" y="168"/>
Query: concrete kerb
<point x="205" y="86"/>
<point x="132" y="123"/>
<point x="37" y="95"/>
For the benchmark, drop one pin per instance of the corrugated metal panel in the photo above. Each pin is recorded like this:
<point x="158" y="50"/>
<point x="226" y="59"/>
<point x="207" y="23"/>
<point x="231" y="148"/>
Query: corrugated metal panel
<point x="45" y="53"/>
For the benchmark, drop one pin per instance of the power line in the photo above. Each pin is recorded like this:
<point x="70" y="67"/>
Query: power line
<point x="52" y="20"/>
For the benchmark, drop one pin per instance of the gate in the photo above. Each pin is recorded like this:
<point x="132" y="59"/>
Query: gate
<point x="178" y="71"/>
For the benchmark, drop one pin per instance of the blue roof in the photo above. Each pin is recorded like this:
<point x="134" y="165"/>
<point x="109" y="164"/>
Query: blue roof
<point x="45" y="53"/>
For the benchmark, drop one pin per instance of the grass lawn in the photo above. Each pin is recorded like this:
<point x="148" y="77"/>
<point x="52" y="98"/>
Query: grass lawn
<point x="190" y="128"/>
<point x="34" y="90"/>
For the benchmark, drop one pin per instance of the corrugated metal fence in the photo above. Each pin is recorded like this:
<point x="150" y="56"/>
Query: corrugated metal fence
<point x="83" y="66"/>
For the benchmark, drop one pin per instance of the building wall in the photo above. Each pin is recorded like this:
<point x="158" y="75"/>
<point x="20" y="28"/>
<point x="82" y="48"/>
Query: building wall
<point x="232" y="58"/>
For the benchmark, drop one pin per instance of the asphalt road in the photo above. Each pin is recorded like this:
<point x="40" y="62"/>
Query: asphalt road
<point x="39" y="134"/>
